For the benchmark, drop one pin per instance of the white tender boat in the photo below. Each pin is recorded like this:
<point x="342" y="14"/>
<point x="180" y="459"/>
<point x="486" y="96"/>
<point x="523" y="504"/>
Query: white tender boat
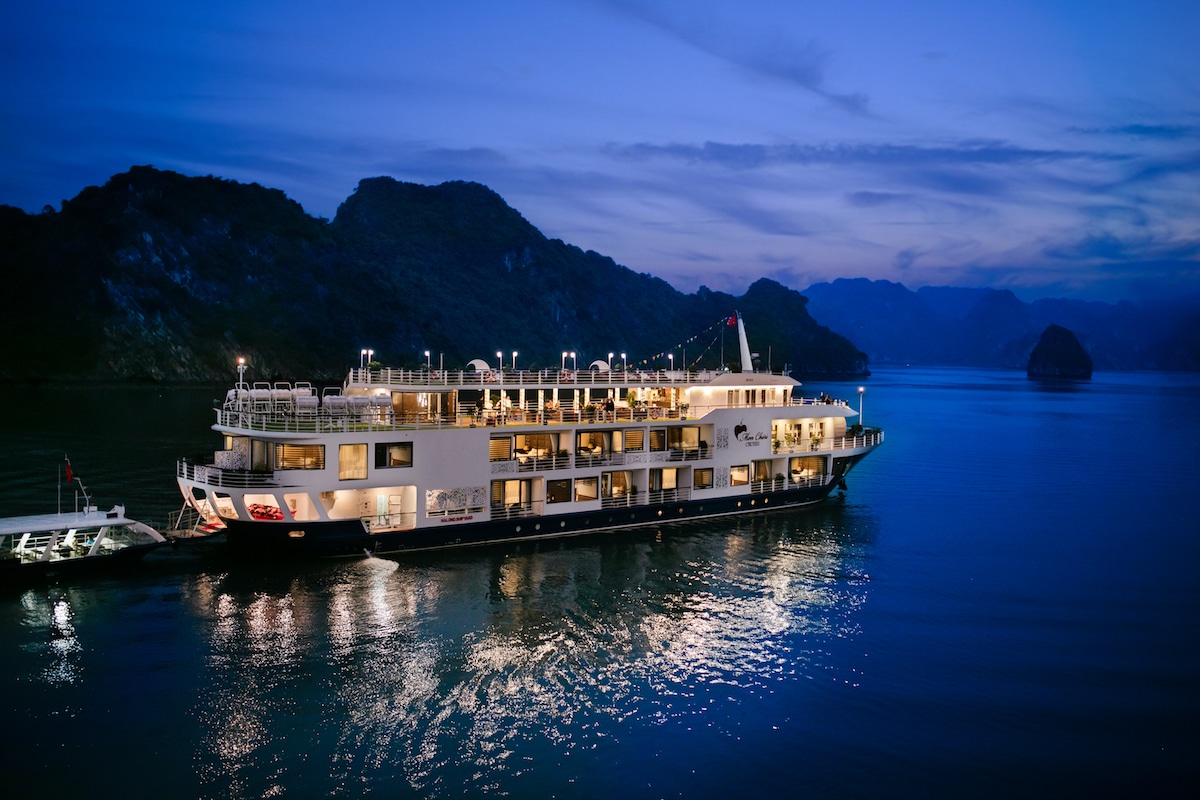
<point x="401" y="459"/>
<point x="71" y="541"/>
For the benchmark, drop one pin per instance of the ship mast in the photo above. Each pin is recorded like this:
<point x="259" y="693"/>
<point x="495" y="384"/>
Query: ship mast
<point x="747" y="364"/>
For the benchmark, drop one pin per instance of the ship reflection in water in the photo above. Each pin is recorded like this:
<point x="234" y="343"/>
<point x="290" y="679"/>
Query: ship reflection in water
<point x="480" y="670"/>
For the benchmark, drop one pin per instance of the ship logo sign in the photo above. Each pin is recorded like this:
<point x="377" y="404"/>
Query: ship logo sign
<point x="748" y="437"/>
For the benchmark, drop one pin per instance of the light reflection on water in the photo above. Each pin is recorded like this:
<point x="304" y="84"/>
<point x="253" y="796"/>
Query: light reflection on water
<point x="464" y="671"/>
<point x="60" y="652"/>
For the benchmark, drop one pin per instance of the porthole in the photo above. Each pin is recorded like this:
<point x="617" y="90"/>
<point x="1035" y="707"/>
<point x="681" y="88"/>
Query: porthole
<point x="537" y="527"/>
<point x="562" y="524"/>
<point x="295" y="534"/>
<point x="660" y="512"/>
<point x="518" y="529"/>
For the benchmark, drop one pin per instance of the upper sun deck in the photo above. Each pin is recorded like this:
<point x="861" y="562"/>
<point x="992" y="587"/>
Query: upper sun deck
<point x="379" y="399"/>
<point x="440" y="380"/>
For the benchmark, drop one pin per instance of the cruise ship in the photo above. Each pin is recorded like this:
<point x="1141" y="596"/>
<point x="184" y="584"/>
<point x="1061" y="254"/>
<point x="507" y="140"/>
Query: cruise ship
<point x="396" y="460"/>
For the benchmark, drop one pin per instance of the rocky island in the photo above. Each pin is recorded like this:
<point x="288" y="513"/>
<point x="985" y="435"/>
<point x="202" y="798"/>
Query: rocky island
<point x="1059" y="354"/>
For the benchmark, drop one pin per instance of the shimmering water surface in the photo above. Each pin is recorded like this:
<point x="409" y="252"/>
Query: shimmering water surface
<point x="1005" y="603"/>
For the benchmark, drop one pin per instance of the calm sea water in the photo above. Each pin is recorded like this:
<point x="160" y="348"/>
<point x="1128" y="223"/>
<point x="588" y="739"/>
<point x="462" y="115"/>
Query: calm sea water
<point x="1005" y="603"/>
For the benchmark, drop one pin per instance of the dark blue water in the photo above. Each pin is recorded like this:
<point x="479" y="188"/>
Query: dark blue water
<point x="1005" y="603"/>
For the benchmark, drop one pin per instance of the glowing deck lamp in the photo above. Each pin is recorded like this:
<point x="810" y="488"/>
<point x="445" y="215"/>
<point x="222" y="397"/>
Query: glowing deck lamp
<point x="514" y="360"/>
<point x="427" y="364"/>
<point x="241" y="369"/>
<point x="861" y="390"/>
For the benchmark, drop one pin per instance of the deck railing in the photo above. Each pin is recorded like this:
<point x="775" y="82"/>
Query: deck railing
<point x="232" y="478"/>
<point x="400" y="521"/>
<point x="869" y="438"/>
<point x="676" y="495"/>
<point x="517" y="510"/>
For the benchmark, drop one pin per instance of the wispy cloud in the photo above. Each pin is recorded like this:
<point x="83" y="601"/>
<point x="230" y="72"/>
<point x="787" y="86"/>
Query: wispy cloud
<point x="751" y="155"/>
<point x="771" y="52"/>
<point x="1143" y="131"/>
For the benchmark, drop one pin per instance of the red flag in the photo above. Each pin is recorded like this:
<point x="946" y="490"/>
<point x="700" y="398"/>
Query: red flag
<point x="70" y="474"/>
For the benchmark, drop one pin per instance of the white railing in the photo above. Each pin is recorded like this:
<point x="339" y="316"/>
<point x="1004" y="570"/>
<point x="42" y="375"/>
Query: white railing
<point x="405" y="520"/>
<point x="676" y="495"/>
<point x="620" y="501"/>
<point x="868" y="439"/>
<point x="215" y="476"/>
<point x="517" y="510"/>
<point x="507" y="377"/>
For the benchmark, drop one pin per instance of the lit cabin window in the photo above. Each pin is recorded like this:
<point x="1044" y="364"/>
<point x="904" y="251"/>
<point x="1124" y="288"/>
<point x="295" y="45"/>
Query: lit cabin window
<point x="500" y="448"/>
<point x="739" y="475"/>
<point x="300" y="456"/>
<point x="352" y="462"/>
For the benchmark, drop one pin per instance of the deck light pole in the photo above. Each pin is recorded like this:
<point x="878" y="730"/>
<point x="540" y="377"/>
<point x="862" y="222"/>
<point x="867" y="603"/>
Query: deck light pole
<point x="514" y="360"/>
<point x="861" y="390"/>
<point x="624" y="367"/>
<point x="428" y="366"/>
<point x="671" y="361"/>
<point x="574" y="364"/>
<point x="563" y="366"/>
<point x="500" y="360"/>
<point x="610" y="355"/>
<point x="362" y="358"/>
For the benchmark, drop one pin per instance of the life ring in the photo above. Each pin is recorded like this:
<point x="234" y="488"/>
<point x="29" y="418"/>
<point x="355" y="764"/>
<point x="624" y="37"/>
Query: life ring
<point x="655" y="412"/>
<point x="491" y="377"/>
<point x="435" y="375"/>
<point x="564" y="377"/>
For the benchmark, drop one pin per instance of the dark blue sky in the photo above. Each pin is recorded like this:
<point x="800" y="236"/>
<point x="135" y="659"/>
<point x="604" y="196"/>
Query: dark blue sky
<point x="1051" y="147"/>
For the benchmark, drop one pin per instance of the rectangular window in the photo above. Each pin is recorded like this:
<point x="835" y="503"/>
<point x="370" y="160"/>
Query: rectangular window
<point x="558" y="491"/>
<point x="299" y="456"/>
<point x="538" y="445"/>
<point x="615" y="484"/>
<point x="635" y="439"/>
<point x="352" y="462"/>
<point x="739" y="475"/>
<point x="586" y="489"/>
<point x="500" y="449"/>
<point x="393" y="454"/>
<point x="658" y="439"/>
<point x="703" y="478"/>
<point x="591" y="443"/>
<point x="762" y="470"/>
<point x="511" y="494"/>
<point x="684" y="438"/>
